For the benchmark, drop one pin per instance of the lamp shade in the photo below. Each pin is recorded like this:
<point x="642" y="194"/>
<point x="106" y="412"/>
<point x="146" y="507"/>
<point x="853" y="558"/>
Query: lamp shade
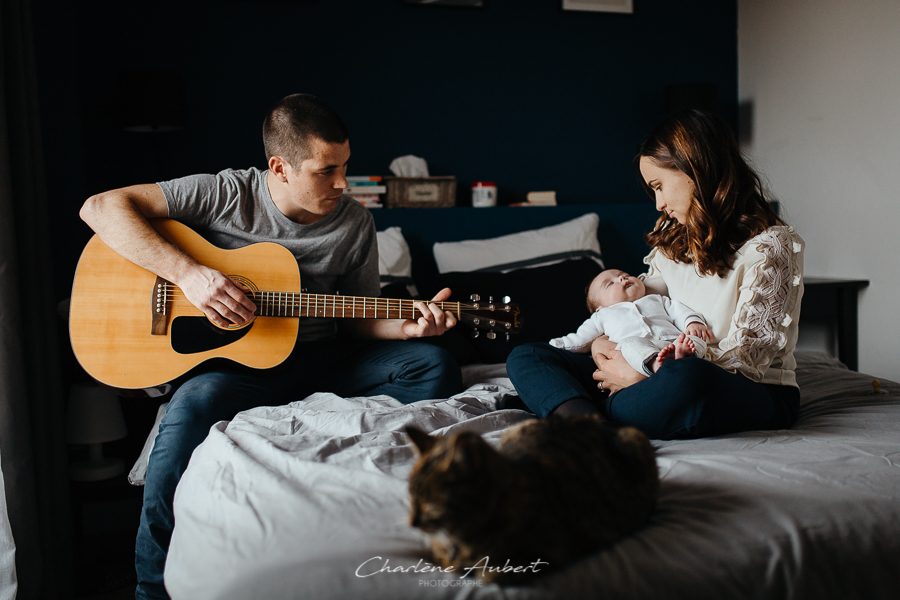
<point x="151" y="101"/>
<point x="94" y="415"/>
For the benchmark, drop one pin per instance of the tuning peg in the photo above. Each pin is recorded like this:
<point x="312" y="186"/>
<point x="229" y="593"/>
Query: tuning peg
<point x="475" y="333"/>
<point x="490" y="299"/>
<point x="506" y="299"/>
<point x="507" y="336"/>
<point x="491" y="335"/>
<point x="474" y="297"/>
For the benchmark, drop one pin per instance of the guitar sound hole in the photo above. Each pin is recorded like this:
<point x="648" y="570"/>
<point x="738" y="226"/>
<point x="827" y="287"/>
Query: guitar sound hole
<point x="191" y="335"/>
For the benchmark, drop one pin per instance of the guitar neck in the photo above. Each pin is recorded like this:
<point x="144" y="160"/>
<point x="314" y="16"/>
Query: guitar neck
<point x="289" y="304"/>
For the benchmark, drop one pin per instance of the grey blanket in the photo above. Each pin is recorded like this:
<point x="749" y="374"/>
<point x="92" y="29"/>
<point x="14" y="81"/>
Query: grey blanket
<point x="309" y="500"/>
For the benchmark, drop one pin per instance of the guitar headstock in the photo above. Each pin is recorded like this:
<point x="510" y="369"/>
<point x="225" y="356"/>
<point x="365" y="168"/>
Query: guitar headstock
<point x="493" y="317"/>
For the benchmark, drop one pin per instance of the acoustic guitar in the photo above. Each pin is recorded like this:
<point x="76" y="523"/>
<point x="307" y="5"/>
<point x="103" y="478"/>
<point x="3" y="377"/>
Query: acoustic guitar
<point x="133" y="330"/>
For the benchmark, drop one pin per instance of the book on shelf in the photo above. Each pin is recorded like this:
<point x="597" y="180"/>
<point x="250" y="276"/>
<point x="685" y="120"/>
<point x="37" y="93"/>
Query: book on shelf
<point x="356" y="190"/>
<point x="369" y="201"/>
<point x="366" y="197"/>
<point x="366" y="189"/>
<point x="538" y="199"/>
<point x="542" y="198"/>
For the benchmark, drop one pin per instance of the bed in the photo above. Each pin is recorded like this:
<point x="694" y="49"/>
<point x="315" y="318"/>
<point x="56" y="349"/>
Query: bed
<point x="309" y="500"/>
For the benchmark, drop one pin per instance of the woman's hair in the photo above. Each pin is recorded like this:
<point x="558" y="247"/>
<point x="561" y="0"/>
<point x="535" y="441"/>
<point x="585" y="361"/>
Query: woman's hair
<point x="294" y="122"/>
<point x="728" y="206"/>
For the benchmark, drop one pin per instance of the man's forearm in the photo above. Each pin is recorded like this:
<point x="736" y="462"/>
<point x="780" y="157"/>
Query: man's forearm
<point x="120" y="218"/>
<point x="122" y="227"/>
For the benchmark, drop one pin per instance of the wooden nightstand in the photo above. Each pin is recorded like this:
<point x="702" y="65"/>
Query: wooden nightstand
<point x="835" y="303"/>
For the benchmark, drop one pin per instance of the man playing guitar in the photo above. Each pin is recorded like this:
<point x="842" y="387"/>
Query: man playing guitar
<point x="298" y="202"/>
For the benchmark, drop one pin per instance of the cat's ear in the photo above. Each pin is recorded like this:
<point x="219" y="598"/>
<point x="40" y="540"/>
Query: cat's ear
<point x="470" y="452"/>
<point x="421" y="440"/>
<point x="633" y="438"/>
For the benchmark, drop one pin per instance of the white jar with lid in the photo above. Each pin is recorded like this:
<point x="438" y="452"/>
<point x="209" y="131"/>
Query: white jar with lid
<point x="484" y="193"/>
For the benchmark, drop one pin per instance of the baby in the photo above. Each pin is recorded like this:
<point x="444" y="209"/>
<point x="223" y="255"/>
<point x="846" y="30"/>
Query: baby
<point x="649" y="329"/>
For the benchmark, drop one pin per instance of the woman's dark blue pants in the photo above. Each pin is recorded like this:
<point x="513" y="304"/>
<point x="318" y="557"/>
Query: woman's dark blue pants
<point x="686" y="398"/>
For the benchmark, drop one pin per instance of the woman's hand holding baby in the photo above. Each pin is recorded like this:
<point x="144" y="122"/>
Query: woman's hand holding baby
<point x="613" y="371"/>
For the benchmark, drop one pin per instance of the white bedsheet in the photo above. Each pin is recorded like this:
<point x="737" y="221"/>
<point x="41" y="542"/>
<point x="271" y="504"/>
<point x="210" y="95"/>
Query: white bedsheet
<point x="8" y="582"/>
<point x="297" y="501"/>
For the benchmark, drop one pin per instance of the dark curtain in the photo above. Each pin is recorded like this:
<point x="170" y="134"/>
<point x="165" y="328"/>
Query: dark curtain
<point x="32" y="406"/>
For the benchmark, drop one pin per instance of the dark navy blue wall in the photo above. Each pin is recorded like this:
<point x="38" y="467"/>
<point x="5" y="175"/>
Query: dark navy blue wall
<point x="519" y="92"/>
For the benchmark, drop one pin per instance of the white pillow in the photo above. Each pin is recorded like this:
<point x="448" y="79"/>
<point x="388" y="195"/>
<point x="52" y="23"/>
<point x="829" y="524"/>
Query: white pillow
<point x="538" y="247"/>
<point x="394" y="261"/>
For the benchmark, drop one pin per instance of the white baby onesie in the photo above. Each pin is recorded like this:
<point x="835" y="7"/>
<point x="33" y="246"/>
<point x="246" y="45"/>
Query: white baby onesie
<point x="641" y="329"/>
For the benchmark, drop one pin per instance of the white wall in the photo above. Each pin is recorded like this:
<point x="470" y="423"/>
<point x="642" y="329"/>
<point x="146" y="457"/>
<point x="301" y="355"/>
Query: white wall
<point x="823" y="79"/>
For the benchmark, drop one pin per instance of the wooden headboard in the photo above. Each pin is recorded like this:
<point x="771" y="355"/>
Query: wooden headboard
<point x="621" y="230"/>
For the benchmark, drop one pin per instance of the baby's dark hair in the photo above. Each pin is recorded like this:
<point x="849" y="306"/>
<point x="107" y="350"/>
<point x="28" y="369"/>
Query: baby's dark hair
<point x="591" y="303"/>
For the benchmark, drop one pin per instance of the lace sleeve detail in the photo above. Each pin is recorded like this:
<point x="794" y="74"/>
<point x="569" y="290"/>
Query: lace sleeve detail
<point x="769" y="303"/>
<point x="653" y="279"/>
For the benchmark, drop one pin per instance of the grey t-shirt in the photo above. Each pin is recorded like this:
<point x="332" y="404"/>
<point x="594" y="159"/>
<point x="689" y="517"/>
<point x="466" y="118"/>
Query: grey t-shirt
<point x="337" y="254"/>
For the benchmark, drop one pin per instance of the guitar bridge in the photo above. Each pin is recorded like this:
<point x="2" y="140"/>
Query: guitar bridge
<point x="159" y="304"/>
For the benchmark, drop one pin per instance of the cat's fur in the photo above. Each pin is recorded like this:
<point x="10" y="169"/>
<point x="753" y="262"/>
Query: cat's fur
<point x="554" y="490"/>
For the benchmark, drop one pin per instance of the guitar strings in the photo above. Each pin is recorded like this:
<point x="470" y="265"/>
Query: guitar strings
<point x="332" y="301"/>
<point x="339" y="309"/>
<point x="284" y="304"/>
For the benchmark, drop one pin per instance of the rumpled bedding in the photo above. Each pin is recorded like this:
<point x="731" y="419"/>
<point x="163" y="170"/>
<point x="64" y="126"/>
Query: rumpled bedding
<point x="309" y="500"/>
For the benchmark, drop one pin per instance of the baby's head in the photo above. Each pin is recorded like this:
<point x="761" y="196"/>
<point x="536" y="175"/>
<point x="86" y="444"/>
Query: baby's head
<point x="611" y="287"/>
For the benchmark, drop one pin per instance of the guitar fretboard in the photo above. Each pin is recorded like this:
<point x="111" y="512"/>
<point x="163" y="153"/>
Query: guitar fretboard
<point x="291" y="304"/>
<point x="288" y="304"/>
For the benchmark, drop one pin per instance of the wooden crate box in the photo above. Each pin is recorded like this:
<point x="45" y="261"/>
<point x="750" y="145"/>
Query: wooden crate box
<point x="420" y="192"/>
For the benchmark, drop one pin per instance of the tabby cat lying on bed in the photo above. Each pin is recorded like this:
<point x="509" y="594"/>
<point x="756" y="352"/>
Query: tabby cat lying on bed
<point x="554" y="490"/>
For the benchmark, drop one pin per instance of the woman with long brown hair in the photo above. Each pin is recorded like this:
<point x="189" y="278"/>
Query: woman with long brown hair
<point x="721" y="250"/>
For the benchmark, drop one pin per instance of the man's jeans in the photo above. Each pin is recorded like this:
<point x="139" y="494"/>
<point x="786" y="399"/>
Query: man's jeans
<point x="407" y="371"/>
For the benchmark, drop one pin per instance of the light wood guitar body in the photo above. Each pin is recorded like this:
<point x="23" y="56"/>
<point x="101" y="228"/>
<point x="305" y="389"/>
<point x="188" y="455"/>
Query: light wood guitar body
<point x="113" y="304"/>
<point x="132" y="330"/>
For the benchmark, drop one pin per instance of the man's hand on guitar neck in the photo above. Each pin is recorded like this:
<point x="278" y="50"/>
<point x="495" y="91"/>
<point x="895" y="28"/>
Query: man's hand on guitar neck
<point x="434" y="320"/>
<point x="221" y="299"/>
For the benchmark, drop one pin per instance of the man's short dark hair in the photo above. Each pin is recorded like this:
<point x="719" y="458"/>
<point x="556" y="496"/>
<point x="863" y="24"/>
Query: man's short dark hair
<point x="294" y="122"/>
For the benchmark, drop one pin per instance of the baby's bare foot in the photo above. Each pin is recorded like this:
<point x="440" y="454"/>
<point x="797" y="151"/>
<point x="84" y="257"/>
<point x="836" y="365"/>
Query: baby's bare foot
<point x="664" y="355"/>
<point x="684" y="347"/>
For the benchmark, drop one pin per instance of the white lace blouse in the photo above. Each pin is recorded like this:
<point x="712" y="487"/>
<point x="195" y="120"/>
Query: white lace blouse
<point x="752" y="311"/>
